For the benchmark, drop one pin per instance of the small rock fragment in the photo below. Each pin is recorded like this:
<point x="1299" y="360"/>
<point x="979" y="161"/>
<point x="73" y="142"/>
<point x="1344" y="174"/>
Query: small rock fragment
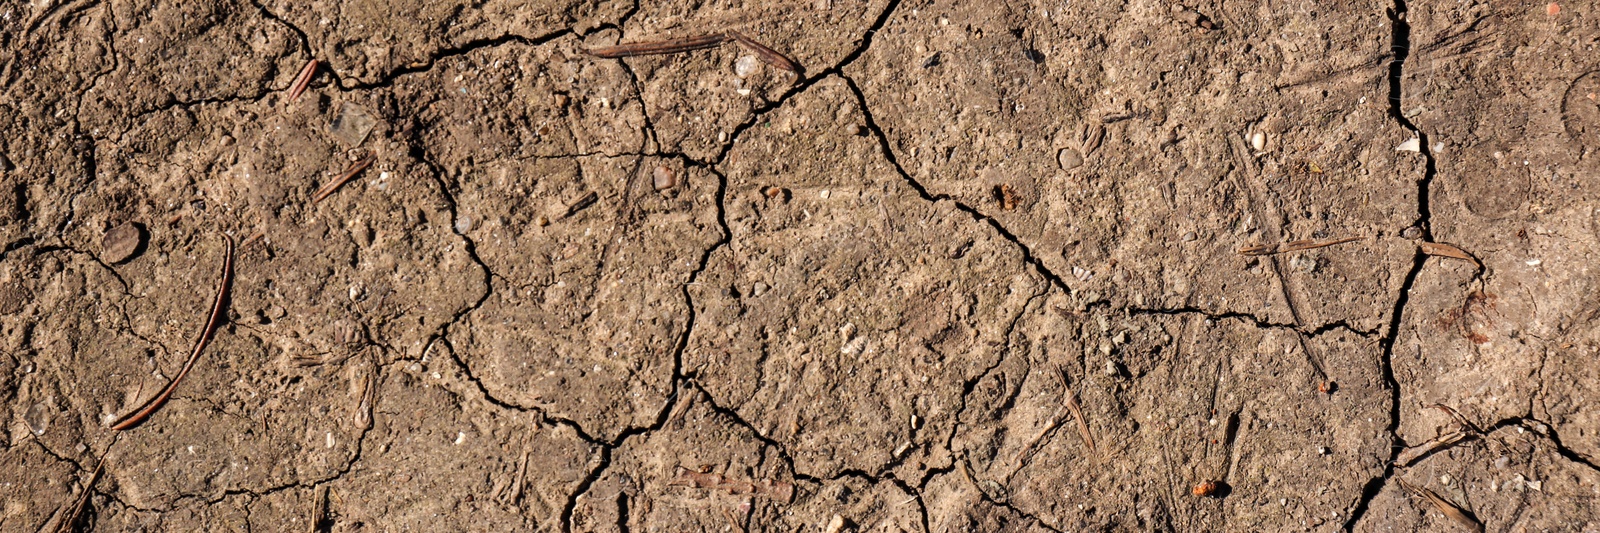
<point x="932" y="61"/>
<point x="122" y="242"/>
<point x="1412" y="233"/>
<point x="1258" y="141"/>
<point x="1412" y="145"/>
<point x="836" y="525"/>
<point x="664" y="178"/>
<point x="1192" y="17"/>
<point x="745" y="66"/>
<point x="38" y="418"/>
<point x="1069" y="158"/>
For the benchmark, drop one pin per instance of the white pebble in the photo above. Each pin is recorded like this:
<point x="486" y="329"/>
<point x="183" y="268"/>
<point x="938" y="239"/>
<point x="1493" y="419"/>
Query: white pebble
<point x="1258" y="141"/>
<point x="745" y="66"/>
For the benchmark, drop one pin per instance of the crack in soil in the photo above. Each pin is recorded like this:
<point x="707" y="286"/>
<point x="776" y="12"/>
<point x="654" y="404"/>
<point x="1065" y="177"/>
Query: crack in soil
<point x="1401" y="50"/>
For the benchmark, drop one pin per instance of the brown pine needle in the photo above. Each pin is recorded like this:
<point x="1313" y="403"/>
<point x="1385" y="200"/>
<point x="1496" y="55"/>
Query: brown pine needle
<point x="1077" y="411"/>
<point x="1444" y="506"/>
<point x="1439" y="249"/>
<point x="218" y="309"/>
<point x="337" y="182"/>
<point x="671" y="46"/>
<point x="1292" y="246"/>
<point x="770" y="56"/>
<point x="70" y="519"/>
<point x="303" y="80"/>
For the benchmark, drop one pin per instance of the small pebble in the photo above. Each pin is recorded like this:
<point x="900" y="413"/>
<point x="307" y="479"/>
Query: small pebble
<point x="1258" y="141"/>
<point x="1069" y="158"/>
<point x="38" y="418"/>
<point x="463" y="224"/>
<point x="1189" y="236"/>
<point x="745" y="66"/>
<point x="664" y="178"/>
<point x="122" y="242"/>
<point x="1412" y="232"/>
<point x="824" y="194"/>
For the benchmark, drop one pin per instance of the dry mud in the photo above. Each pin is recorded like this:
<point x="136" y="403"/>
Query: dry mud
<point x="980" y="266"/>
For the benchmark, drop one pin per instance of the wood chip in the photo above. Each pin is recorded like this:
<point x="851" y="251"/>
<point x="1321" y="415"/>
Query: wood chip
<point x="1439" y="249"/>
<point x="1449" y="510"/>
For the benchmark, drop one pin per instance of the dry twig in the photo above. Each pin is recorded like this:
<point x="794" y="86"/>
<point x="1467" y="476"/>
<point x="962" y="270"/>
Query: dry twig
<point x="1077" y="412"/>
<point x="1292" y="246"/>
<point x="1444" y="506"/>
<point x="70" y="519"/>
<point x="218" y="309"/>
<point x="355" y="168"/>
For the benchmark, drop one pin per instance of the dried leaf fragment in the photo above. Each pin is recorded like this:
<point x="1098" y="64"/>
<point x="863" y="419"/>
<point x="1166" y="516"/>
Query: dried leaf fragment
<point x="1439" y="249"/>
<point x="1449" y="510"/>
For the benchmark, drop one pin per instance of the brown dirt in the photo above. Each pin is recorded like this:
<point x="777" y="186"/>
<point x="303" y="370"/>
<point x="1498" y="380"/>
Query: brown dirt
<point x="698" y="292"/>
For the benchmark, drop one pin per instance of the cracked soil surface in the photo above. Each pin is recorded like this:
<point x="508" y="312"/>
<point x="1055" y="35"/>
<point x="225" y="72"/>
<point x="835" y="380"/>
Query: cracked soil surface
<point x="978" y="266"/>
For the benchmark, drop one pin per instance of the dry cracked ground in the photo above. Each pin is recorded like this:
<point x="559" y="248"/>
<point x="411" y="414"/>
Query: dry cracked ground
<point x="980" y="266"/>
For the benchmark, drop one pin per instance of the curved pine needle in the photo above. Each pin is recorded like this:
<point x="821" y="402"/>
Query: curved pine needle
<point x="218" y="308"/>
<point x="772" y="57"/>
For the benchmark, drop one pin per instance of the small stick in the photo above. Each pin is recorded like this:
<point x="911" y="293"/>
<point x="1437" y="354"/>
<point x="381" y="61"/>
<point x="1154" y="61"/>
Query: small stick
<point x="670" y="46"/>
<point x="218" y="308"/>
<point x="581" y="203"/>
<point x="1077" y="412"/>
<point x="772" y="57"/>
<point x="258" y="235"/>
<point x="351" y="172"/>
<point x="1292" y="246"/>
<point x="1412" y="454"/>
<point x="1444" y="506"/>
<point x="303" y="80"/>
<point x="71" y="518"/>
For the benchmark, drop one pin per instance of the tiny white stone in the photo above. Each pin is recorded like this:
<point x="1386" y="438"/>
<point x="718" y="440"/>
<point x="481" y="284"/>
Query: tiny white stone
<point x="745" y="66"/>
<point x="1258" y="141"/>
<point x="1534" y="262"/>
<point x="329" y="439"/>
<point x="461" y="436"/>
<point x="1412" y="145"/>
<point x="823" y="194"/>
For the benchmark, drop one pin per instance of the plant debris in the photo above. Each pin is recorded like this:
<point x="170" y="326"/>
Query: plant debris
<point x="1439" y="249"/>
<point x="1444" y="506"/>
<point x="218" y="309"/>
<point x="1292" y="246"/>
